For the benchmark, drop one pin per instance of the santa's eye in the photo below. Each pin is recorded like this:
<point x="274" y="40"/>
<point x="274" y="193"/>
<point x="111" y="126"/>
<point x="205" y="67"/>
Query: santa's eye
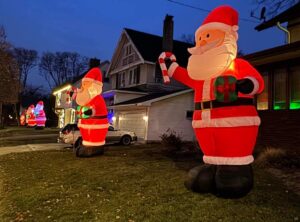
<point x="200" y="38"/>
<point x="207" y="36"/>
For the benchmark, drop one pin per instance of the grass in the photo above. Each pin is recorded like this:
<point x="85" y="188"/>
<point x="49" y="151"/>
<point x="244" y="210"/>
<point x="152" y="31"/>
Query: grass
<point x="126" y="184"/>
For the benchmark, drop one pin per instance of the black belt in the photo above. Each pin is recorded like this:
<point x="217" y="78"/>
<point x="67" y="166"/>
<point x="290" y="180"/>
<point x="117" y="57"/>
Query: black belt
<point x="216" y="104"/>
<point x="99" y="117"/>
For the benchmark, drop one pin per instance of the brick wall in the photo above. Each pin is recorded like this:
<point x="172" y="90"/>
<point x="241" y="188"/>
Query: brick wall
<point x="280" y="128"/>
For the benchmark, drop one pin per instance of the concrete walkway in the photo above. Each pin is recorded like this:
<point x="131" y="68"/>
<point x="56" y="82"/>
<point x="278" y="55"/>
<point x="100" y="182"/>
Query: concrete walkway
<point x="31" y="147"/>
<point x="21" y="137"/>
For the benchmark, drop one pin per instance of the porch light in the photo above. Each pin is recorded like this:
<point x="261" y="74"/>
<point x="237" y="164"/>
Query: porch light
<point x="145" y="118"/>
<point x="113" y="118"/>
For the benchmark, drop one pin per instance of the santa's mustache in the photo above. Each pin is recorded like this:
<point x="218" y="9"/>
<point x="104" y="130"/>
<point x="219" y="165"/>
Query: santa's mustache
<point x="198" y="50"/>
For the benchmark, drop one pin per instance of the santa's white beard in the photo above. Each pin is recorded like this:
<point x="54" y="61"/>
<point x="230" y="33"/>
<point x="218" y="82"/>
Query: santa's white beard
<point x="213" y="62"/>
<point x="83" y="97"/>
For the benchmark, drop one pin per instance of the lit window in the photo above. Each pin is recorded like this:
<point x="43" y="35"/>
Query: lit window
<point x="280" y="89"/>
<point x="262" y="99"/>
<point x="295" y="87"/>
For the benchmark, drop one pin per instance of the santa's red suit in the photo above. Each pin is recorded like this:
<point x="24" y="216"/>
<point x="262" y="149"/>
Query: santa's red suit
<point x="227" y="135"/>
<point x="40" y="115"/>
<point x="30" y="117"/>
<point x="94" y="127"/>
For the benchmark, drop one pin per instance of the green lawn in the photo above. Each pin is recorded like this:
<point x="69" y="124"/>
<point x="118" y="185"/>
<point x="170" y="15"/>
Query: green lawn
<point x="126" y="184"/>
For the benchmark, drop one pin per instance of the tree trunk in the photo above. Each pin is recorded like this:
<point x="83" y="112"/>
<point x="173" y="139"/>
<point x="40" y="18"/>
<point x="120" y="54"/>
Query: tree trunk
<point x="17" y="114"/>
<point x="1" y="120"/>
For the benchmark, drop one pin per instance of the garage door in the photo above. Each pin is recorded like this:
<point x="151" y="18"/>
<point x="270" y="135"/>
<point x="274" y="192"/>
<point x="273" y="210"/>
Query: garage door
<point x="133" y="122"/>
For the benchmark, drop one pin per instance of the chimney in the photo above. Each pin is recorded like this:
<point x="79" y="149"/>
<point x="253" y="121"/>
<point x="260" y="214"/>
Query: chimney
<point x="167" y="44"/>
<point x="94" y="62"/>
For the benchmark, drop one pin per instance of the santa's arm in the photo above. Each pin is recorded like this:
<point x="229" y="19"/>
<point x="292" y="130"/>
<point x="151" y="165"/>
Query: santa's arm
<point x="180" y="74"/>
<point x="250" y="82"/>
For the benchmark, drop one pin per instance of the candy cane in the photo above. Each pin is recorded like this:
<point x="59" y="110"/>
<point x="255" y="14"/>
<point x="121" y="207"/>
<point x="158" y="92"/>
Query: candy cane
<point x="161" y="59"/>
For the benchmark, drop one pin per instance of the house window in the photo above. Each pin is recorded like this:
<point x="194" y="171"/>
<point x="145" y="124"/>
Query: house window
<point x="295" y="87"/>
<point x="280" y="89"/>
<point x="129" y="56"/>
<point x="262" y="99"/>
<point x="189" y="114"/>
<point x="134" y="76"/>
<point x="121" y="80"/>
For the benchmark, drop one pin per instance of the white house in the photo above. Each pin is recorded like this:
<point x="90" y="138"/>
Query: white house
<point x="139" y="100"/>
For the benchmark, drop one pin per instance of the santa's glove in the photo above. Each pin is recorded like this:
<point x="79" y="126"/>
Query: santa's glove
<point x="88" y="112"/>
<point x="225" y="89"/>
<point x="165" y="60"/>
<point x="248" y="85"/>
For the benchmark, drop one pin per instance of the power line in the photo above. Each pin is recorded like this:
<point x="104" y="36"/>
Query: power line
<point x="204" y="10"/>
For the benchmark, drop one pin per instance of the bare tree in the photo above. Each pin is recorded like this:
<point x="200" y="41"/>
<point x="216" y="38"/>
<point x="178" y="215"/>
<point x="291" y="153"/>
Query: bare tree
<point x="270" y="8"/>
<point x="26" y="59"/>
<point x="9" y="75"/>
<point x="60" y="67"/>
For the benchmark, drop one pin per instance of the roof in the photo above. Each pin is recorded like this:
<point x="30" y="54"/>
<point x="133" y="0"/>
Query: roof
<point x="153" y="97"/>
<point x="287" y="15"/>
<point x="150" y="46"/>
<point x="276" y="54"/>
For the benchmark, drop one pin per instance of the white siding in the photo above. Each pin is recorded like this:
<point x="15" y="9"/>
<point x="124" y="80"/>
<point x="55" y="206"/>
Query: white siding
<point x="171" y="113"/>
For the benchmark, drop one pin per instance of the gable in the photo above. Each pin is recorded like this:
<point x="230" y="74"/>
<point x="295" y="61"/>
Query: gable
<point x="125" y="55"/>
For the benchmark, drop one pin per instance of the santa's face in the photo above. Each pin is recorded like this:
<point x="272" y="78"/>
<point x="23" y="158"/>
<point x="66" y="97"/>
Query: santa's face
<point x="87" y="92"/>
<point x="212" y="55"/>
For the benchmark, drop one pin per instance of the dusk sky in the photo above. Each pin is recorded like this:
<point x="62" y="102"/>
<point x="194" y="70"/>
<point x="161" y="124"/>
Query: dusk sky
<point x="92" y="28"/>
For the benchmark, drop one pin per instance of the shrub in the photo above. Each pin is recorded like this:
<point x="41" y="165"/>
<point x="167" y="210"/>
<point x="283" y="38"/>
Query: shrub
<point x="275" y="157"/>
<point x="171" y="140"/>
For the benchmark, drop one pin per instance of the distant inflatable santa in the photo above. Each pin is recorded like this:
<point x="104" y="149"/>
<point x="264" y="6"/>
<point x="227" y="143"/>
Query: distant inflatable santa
<point x="40" y="115"/>
<point x="30" y="117"/>
<point x="92" y="114"/>
<point x="23" y="118"/>
<point x="225" y="120"/>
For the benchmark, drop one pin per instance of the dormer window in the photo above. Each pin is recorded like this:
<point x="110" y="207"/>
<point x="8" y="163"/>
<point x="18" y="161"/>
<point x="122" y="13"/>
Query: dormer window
<point x="128" y="55"/>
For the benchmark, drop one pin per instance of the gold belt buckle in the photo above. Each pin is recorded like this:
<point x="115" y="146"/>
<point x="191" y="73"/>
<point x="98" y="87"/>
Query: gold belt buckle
<point x="210" y="105"/>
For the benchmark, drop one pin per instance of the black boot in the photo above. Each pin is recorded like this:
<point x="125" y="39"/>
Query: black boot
<point x="89" y="151"/>
<point x="233" y="181"/>
<point x="201" y="179"/>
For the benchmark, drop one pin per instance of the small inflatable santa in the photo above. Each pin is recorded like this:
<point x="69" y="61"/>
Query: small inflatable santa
<point x="225" y="120"/>
<point x="30" y="117"/>
<point x="92" y="114"/>
<point x="23" y="118"/>
<point x="40" y="115"/>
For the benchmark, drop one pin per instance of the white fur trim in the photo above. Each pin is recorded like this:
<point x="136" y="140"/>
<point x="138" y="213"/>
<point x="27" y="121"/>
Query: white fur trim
<point x="206" y="90"/>
<point x="255" y="83"/>
<point x="88" y="143"/>
<point x="93" y="80"/>
<point x="216" y="160"/>
<point x="217" y="25"/>
<point x="89" y="126"/>
<point x="172" y="68"/>
<point x="227" y="122"/>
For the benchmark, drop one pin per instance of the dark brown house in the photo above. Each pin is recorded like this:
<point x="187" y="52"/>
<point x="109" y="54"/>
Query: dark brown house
<point x="279" y="104"/>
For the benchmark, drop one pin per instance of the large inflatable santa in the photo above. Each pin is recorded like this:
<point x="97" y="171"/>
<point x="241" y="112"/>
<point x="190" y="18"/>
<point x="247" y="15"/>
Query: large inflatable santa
<point x="40" y="115"/>
<point x="92" y="114"/>
<point x="30" y="117"/>
<point x="225" y="120"/>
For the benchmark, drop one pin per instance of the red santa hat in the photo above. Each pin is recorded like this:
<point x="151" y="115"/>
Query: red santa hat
<point x="223" y="18"/>
<point x="94" y="75"/>
<point x="41" y="103"/>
